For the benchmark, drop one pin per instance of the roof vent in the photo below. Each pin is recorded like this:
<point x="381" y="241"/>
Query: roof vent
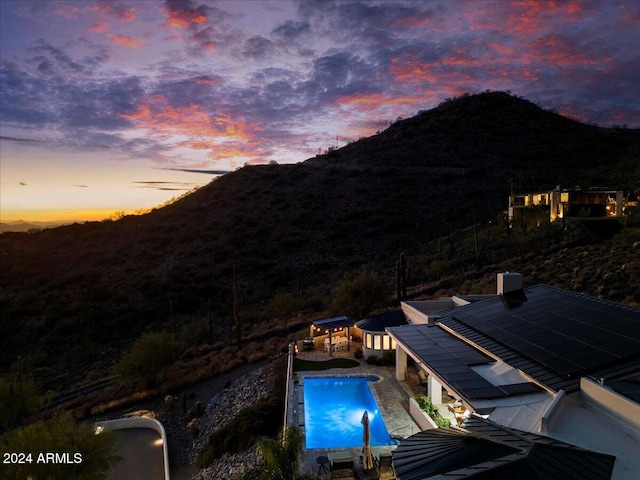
<point x="509" y="282"/>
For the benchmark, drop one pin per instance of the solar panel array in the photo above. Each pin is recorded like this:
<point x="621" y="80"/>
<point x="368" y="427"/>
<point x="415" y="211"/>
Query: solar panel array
<point x="569" y="333"/>
<point x="451" y="358"/>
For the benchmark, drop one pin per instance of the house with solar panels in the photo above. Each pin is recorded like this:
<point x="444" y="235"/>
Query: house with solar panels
<point x="555" y="366"/>
<point x="376" y="342"/>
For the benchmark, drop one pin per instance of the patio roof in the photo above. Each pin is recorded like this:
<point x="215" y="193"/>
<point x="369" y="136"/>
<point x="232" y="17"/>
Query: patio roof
<point x="334" y="322"/>
<point x="378" y="323"/>
<point x="453" y="361"/>
<point x="485" y="450"/>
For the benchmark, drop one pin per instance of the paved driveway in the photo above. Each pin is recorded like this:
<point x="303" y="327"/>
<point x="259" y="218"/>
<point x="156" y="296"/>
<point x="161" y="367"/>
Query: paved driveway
<point x="141" y="455"/>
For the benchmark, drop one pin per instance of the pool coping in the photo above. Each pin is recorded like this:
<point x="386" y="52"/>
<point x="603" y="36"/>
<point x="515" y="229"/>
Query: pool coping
<point x="390" y="395"/>
<point x="321" y="374"/>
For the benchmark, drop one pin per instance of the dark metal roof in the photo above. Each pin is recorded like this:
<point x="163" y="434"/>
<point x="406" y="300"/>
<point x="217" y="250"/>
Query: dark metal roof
<point x="554" y="335"/>
<point x="333" y="322"/>
<point x="485" y="450"/>
<point x="432" y="452"/>
<point x="378" y="323"/>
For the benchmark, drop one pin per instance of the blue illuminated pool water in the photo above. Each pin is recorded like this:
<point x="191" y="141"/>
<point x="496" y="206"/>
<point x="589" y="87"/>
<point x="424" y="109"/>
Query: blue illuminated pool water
<point x="333" y="409"/>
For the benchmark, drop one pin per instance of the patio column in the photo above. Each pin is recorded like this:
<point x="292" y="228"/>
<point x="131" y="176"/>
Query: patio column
<point x="401" y="363"/>
<point x="434" y="390"/>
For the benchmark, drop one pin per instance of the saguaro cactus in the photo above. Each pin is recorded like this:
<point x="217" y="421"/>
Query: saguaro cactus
<point x="401" y="277"/>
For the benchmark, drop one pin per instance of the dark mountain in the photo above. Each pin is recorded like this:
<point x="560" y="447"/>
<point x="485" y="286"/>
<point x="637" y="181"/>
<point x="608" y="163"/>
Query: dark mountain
<point x="22" y="226"/>
<point x="295" y="228"/>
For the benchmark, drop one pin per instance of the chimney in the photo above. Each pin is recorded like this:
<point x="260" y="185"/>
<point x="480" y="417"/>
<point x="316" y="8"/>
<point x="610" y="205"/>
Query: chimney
<point x="509" y="282"/>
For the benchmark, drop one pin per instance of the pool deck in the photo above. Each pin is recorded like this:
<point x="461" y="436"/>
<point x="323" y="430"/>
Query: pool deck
<point x="391" y="396"/>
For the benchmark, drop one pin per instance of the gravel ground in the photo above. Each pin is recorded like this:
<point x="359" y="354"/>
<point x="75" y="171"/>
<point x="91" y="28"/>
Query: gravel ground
<point x="222" y="398"/>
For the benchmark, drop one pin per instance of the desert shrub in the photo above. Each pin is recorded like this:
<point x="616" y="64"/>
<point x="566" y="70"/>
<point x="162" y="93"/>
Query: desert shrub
<point x="372" y="360"/>
<point x="256" y="357"/>
<point x="283" y="304"/>
<point x="231" y="364"/>
<point x="29" y="362"/>
<point x="275" y="345"/>
<point x="18" y="400"/>
<point x="148" y="359"/>
<point x="195" y="412"/>
<point x="439" y="268"/>
<point x="193" y="427"/>
<point x="59" y="434"/>
<point x="358" y="294"/>
<point x="264" y="418"/>
<point x="389" y="358"/>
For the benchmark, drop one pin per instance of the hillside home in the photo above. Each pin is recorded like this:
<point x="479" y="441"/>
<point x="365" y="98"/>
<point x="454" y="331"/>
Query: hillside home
<point x="540" y="359"/>
<point x="565" y="203"/>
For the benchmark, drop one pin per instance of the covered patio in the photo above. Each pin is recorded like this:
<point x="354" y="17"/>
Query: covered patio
<point x="462" y="379"/>
<point x="330" y="335"/>
<point x="445" y="367"/>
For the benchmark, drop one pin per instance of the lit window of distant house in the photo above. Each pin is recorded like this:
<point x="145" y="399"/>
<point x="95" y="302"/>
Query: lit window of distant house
<point x="369" y="341"/>
<point x="385" y="342"/>
<point x="376" y="342"/>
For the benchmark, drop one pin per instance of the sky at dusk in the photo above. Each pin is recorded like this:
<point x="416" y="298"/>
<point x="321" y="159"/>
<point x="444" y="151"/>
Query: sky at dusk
<point x="121" y="105"/>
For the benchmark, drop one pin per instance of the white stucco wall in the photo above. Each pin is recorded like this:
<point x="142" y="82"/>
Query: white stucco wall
<point x="424" y="421"/>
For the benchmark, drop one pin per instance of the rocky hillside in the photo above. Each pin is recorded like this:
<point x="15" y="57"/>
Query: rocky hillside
<point x="297" y="228"/>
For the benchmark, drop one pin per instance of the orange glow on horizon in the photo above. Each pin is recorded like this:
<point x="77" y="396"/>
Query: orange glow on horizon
<point x="62" y="215"/>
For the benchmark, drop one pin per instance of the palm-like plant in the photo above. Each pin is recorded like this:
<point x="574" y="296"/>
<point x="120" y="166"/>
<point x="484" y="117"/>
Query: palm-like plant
<point x="280" y="457"/>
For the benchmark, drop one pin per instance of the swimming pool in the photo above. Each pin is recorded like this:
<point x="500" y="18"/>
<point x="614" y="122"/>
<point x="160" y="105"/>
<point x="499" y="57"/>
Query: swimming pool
<point x="333" y="409"/>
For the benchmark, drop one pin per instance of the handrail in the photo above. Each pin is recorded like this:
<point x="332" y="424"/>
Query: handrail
<point x="286" y="391"/>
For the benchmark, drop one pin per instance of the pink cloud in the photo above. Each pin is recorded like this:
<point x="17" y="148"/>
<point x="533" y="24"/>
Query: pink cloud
<point x="126" y="41"/>
<point x="184" y="18"/>
<point x="559" y="51"/>
<point x="120" y="12"/>
<point x="222" y="135"/>
<point x="68" y="11"/>
<point x="412" y="22"/>
<point x="410" y="69"/>
<point x="98" y="26"/>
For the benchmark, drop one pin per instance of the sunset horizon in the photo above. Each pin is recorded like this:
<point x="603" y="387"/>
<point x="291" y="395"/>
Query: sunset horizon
<point x="112" y="106"/>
